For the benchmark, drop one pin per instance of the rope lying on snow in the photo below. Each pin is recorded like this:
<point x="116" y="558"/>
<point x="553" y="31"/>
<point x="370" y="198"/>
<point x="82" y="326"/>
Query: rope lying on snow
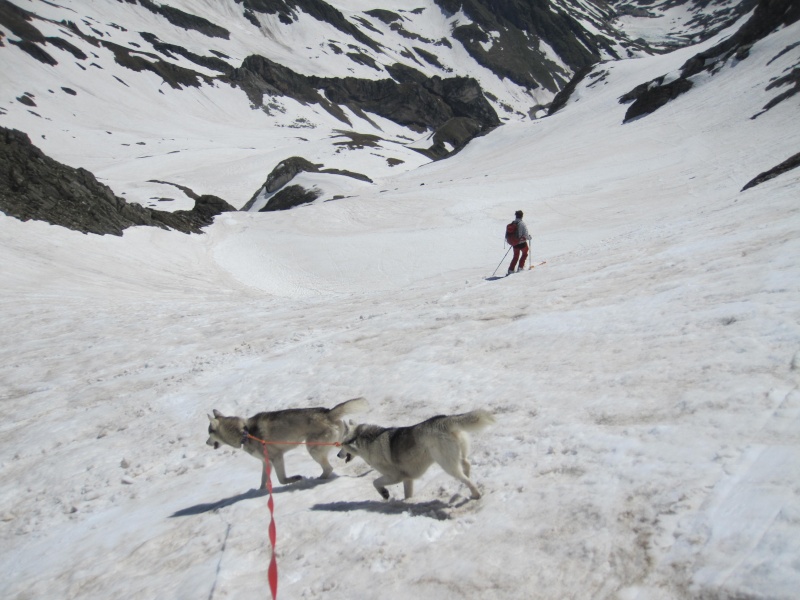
<point x="272" y="571"/>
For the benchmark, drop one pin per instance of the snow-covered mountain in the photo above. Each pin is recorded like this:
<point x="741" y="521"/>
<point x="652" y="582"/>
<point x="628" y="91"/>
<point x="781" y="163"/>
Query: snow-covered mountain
<point x="240" y="86"/>
<point x="644" y="380"/>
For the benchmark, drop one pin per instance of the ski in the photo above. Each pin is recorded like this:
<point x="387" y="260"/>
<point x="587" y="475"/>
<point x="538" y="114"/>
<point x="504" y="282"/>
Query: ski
<point x="496" y="277"/>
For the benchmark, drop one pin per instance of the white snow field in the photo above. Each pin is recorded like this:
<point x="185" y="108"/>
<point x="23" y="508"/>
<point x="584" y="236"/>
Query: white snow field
<point x="644" y="380"/>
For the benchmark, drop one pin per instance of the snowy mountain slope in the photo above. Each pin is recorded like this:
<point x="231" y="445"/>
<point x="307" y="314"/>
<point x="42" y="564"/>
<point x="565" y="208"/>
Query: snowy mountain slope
<point x="92" y="65"/>
<point x="645" y="381"/>
<point x="666" y="24"/>
<point x="768" y="17"/>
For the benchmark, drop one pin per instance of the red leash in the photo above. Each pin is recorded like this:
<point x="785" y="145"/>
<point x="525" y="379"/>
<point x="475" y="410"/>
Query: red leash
<point x="272" y="571"/>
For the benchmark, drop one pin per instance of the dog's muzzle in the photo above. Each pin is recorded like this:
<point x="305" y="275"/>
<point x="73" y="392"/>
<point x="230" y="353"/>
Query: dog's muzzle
<point x="345" y="455"/>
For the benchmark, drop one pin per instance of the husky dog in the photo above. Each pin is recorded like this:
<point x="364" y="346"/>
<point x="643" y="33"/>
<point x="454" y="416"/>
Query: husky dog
<point x="405" y="453"/>
<point x="321" y="426"/>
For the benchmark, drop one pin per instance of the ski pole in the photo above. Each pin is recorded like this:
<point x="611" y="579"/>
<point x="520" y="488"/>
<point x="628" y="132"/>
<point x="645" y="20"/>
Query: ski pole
<point x="501" y="260"/>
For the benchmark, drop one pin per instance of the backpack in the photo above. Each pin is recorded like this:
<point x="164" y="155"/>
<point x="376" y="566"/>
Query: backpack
<point x="512" y="236"/>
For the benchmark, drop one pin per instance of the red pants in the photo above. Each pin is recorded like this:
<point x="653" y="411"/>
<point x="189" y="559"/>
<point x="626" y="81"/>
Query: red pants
<point x="521" y="254"/>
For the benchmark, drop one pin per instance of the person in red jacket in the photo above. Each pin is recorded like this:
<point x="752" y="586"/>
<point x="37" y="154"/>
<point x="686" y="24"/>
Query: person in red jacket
<point x="521" y="247"/>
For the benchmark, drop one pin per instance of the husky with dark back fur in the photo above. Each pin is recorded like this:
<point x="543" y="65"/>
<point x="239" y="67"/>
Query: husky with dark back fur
<point x="405" y="453"/>
<point x="313" y="425"/>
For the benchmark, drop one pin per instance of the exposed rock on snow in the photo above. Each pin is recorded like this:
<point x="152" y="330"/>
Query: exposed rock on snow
<point x="284" y="197"/>
<point x="768" y="16"/>
<point x="289" y="197"/>
<point x="784" y="167"/>
<point x="34" y="186"/>
<point x="417" y="102"/>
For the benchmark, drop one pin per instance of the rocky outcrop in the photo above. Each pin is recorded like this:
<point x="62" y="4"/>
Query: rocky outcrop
<point x="415" y="101"/>
<point x="185" y="20"/>
<point x="652" y="95"/>
<point x="504" y="37"/>
<point x="32" y="41"/>
<point x="285" y="196"/>
<point x="169" y="50"/>
<point x="793" y="162"/>
<point x="289" y="197"/>
<point x="283" y="173"/>
<point x="286" y="171"/>
<point x="175" y="75"/>
<point x="451" y="137"/>
<point x="259" y="76"/>
<point x="34" y="186"/>
<point x="18" y="22"/>
<point x="767" y="17"/>
<point x="561" y="98"/>
<point x="703" y="19"/>
<point x="287" y="13"/>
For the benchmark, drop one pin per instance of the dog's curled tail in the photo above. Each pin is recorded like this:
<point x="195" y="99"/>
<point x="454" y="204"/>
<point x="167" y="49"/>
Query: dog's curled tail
<point x="472" y="421"/>
<point x="349" y="406"/>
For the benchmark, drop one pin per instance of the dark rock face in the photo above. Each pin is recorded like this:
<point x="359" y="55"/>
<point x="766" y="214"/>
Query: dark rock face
<point x="283" y="173"/>
<point x="455" y="133"/>
<point x="289" y="197"/>
<point x="286" y="171"/>
<point x="562" y="97"/>
<point x="206" y="207"/>
<point x="175" y="75"/>
<point x="649" y="97"/>
<point x="20" y="23"/>
<point x="790" y="163"/>
<point x="768" y="16"/>
<point x="287" y="9"/>
<point x="186" y="20"/>
<point x="210" y="62"/>
<point x="34" y="186"/>
<point x="791" y="79"/>
<point x="259" y="76"/>
<point x="386" y="16"/>
<point x="519" y="24"/>
<point x="416" y="101"/>
<point x="708" y="17"/>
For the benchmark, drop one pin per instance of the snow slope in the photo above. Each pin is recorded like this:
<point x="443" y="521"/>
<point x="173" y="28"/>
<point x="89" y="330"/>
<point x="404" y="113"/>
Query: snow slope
<point x="135" y="131"/>
<point x="644" y="381"/>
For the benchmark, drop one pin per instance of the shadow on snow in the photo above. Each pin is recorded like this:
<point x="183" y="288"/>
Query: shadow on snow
<point x="199" y="509"/>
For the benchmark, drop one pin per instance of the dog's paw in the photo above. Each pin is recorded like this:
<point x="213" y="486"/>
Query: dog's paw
<point x="385" y="493"/>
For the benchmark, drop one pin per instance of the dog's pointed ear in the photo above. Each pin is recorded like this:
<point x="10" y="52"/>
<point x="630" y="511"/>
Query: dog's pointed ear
<point x="217" y="414"/>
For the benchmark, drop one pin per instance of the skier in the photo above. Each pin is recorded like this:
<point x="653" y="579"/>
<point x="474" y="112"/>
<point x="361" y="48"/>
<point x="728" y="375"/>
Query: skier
<point x="519" y="243"/>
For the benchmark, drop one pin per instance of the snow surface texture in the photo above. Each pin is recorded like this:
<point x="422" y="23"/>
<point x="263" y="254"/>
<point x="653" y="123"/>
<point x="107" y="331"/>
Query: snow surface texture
<point x="644" y="381"/>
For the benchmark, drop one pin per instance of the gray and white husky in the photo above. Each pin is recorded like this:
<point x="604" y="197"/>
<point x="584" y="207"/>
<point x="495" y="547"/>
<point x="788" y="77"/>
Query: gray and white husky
<point x="320" y="427"/>
<point x="405" y="453"/>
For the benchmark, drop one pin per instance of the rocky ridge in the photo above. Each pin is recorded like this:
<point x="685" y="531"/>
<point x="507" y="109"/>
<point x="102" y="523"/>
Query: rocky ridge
<point x="34" y="186"/>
